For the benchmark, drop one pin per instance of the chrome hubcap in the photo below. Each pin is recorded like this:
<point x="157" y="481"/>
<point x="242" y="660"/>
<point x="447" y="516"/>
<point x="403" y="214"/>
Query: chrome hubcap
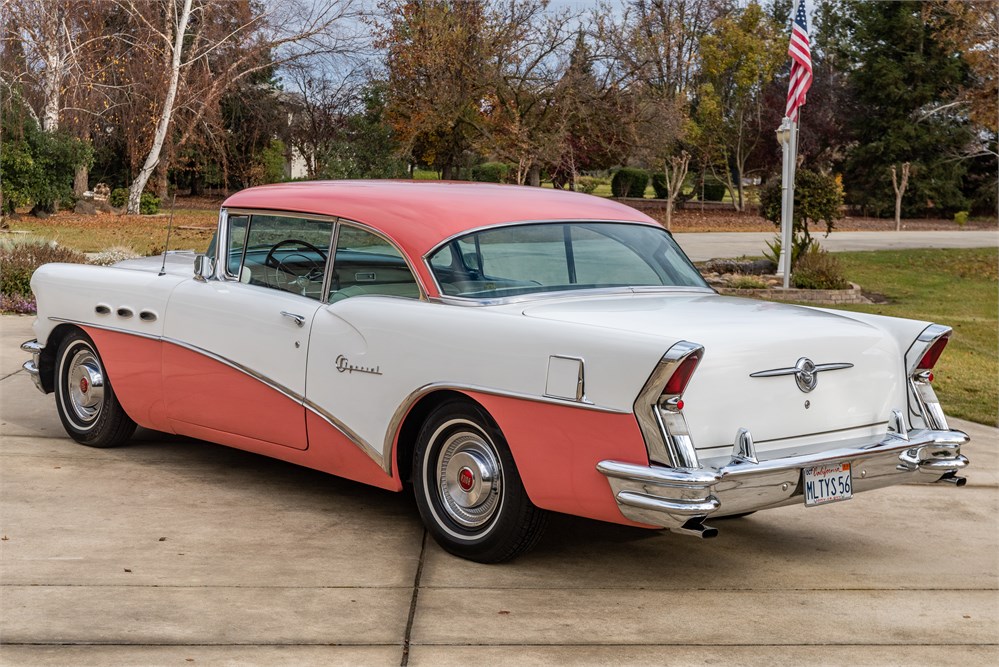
<point x="86" y="385"/>
<point x="469" y="478"/>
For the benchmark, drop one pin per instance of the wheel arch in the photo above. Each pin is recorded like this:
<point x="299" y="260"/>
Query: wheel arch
<point x="409" y="429"/>
<point x="47" y="357"/>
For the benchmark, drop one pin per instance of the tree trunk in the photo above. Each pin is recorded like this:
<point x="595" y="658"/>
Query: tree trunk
<point x="139" y="184"/>
<point x="899" y="191"/>
<point x="81" y="180"/>
<point x="446" y="172"/>
<point x="55" y="63"/>
<point x="534" y="176"/>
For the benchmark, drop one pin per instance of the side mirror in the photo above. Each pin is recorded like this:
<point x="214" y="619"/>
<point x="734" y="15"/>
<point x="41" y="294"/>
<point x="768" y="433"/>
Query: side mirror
<point x="204" y="267"/>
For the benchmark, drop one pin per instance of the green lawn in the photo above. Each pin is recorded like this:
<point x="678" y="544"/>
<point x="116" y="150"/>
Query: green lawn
<point x="957" y="288"/>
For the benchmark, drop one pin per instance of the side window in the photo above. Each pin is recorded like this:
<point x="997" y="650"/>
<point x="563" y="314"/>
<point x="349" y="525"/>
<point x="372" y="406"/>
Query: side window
<point x="281" y="252"/>
<point x="368" y="264"/>
<point x="237" y="241"/>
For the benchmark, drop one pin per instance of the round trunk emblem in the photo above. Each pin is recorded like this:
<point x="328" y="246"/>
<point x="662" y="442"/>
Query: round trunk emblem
<point x="84" y="385"/>
<point x="466" y="479"/>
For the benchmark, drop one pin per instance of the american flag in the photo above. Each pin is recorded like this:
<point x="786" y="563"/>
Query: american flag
<point x="801" y="63"/>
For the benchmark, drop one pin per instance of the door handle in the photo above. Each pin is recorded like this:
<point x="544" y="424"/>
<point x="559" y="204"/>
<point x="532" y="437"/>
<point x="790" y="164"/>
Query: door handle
<point x="299" y="319"/>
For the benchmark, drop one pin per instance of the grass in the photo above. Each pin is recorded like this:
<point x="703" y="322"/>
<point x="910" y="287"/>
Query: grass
<point x="145" y="234"/>
<point x="956" y="288"/>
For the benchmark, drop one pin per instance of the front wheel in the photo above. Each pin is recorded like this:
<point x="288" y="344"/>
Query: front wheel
<point x="467" y="488"/>
<point x="87" y="405"/>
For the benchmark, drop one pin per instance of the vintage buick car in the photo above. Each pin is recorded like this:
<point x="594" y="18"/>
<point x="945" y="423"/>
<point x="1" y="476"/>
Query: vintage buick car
<point x="506" y="351"/>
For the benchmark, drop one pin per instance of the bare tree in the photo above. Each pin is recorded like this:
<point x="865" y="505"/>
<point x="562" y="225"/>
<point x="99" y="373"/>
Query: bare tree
<point x="675" y="170"/>
<point x="206" y="48"/>
<point x="899" y="187"/>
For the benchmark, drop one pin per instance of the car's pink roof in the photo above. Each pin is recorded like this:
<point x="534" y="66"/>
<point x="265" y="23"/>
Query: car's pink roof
<point x="420" y="214"/>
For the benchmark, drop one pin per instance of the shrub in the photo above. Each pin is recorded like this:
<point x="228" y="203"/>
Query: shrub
<point x="659" y="185"/>
<point x="20" y="258"/>
<point x="119" y="197"/>
<point x="817" y="269"/>
<point x="714" y="191"/>
<point x="817" y="198"/>
<point x="629" y="182"/>
<point x="587" y="184"/>
<point x="961" y="218"/>
<point x="36" y="167"/>
<point x="149" y="204"/>
<point x="490" y="172"/>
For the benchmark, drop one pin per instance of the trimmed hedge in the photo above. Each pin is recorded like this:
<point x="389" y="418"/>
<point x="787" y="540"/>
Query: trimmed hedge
<point x="490" y="172"/>
<point x="629" y="182"/>
<point x="714" y="191"/>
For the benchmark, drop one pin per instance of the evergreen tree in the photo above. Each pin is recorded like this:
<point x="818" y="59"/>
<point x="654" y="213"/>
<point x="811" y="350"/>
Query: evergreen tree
<point x="900" y="76"/>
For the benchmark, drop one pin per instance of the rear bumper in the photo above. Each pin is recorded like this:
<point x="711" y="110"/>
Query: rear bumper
<point x="31" y="366"/>
<point x="681" y="498"/>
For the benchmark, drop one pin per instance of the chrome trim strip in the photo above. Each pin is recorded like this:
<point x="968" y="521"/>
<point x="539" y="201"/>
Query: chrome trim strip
<point x="791" y="371"/>
<point x="816" y="433"/>
<point x="348" y="433"/>
<point x="357" y="440"/>
<point x="105" y="327"/>
<point x="414" y="396"/>
<point x="562" y="294"/>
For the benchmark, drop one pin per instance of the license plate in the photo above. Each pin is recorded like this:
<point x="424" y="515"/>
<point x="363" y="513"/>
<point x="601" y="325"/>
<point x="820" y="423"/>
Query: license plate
<point x="827" y="484"/>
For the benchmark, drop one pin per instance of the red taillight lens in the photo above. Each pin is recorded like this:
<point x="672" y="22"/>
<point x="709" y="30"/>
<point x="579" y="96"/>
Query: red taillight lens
<point x="681" y="376"/>
<point x="931" y="355"/>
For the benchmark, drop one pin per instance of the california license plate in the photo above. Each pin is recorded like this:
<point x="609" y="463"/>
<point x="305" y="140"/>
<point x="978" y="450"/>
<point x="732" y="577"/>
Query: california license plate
<point x="827" y="484"/>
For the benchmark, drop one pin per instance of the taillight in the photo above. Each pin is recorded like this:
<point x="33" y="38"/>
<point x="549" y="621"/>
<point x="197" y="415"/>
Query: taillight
<point x="681" y="376"/>
<point x="932" y="354"/>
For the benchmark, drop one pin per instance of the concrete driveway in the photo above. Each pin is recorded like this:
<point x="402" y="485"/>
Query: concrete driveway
<point x="178" y="552"/>
<point x="702" y="246"/>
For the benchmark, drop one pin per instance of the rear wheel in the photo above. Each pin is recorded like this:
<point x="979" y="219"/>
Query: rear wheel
<point x="87" y="405"/>
<point x="467" y="487"/>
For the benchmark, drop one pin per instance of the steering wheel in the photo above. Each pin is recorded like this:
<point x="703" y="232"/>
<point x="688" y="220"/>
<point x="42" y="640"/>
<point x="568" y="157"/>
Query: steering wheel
<point x="305" y="272"/>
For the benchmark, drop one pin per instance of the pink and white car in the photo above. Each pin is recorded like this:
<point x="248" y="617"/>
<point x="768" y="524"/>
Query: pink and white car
<point x="507" y="351"/>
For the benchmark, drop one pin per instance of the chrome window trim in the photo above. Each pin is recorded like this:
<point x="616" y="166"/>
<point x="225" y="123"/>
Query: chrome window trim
<point x="456" y="300"/>
<point x="563" y="294"/>
<point x="335" y="220"/>
<point x="424" y="295"/>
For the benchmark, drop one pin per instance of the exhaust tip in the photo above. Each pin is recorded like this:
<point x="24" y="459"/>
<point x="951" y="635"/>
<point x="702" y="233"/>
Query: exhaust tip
<point x="951" y="478"/>
<point x="697" y="529"/>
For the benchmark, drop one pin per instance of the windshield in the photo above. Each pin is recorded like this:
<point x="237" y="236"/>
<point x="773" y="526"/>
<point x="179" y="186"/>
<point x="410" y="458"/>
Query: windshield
<point x="548" y="257"/>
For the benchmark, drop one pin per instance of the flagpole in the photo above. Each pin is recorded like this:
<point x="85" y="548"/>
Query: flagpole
<point x="787" y="199"/>
<point x="792" y="167"/>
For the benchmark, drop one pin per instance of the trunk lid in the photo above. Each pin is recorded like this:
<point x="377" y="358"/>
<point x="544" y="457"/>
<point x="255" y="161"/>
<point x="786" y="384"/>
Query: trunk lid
<point x="742" y="337"/>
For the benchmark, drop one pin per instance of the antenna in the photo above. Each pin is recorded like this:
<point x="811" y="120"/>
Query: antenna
<point x="173" y="205"/>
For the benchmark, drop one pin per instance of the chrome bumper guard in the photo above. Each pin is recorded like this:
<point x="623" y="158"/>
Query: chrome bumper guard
<point x="680" y="499"/>
<point x="31" y="366"/>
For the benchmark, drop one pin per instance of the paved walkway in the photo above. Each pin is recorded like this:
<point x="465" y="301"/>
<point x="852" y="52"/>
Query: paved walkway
<point x="702" y="246"/>
<point x="176" y="552"/>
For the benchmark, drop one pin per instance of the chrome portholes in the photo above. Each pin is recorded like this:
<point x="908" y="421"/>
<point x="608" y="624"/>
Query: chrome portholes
<point x="469" y="475"/>
<point x="85" y="385"/>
